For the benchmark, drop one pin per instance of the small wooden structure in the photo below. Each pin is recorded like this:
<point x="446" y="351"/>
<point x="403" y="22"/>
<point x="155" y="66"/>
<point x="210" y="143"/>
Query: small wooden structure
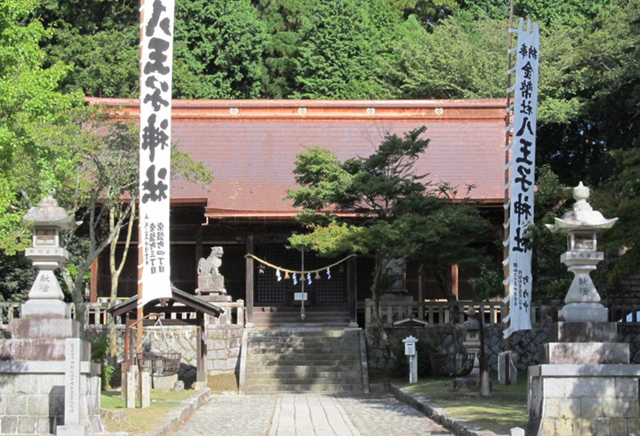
<point x="180" y="303"/>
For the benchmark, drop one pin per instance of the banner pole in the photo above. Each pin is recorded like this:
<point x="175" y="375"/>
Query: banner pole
<point x="507" y="178"/>
<point x="140" y="312"/>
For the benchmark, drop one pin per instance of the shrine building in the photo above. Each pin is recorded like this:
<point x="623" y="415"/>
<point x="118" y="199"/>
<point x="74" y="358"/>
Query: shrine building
<point x="250" y="146"/>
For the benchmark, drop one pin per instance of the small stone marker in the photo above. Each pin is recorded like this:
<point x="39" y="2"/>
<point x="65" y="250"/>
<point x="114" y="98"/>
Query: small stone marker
<point x="72" y="427"/>
<point x="131" y="387"/>
<point x="145" y="389"/>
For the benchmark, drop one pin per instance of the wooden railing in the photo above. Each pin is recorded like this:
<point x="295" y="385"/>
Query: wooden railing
<point x="8" y="312"/>
<point x="96" y="314"/>
<point x="436" y="313"/>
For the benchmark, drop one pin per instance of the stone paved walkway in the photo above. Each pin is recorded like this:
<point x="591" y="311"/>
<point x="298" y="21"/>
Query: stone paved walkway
<point x="308" y="415"/>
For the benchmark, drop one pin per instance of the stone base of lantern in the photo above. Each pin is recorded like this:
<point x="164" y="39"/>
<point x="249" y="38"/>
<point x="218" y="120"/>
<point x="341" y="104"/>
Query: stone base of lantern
<point x="583" y="400"/>
<point x="583" y="312"/>
<point x="45" y="309"/>
<point x="584" y="385"/>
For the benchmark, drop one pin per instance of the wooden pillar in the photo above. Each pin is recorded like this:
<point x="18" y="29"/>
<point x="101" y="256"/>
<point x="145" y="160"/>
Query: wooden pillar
<point x="198" y="252"/>
<point x="249" y="283"/>
<point x="352" y="292"/>
<point x="421" y="280"/>
<point x="454" y="281"/>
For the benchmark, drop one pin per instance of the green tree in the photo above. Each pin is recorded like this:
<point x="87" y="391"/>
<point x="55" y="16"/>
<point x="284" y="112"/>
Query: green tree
<point x="462" y="57"/>
<point x="218" y="49"/>
<point x="283" y="20"/>
<point x="99" y="40"/>
<point x="400" y="214"/>
<point x="99" y="184"/>
<point x="28" y="98"/>
<point x="342" y="49"/>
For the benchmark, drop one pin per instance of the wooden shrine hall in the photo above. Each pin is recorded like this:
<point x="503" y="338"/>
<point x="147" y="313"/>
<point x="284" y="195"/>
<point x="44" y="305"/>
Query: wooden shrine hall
<point x="250" y="146"/>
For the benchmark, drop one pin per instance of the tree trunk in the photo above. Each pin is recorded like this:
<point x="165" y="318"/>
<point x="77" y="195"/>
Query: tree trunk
<point x="442" y="277"/>
<point x="381" y="263"/>
<point x="115" y="271"/>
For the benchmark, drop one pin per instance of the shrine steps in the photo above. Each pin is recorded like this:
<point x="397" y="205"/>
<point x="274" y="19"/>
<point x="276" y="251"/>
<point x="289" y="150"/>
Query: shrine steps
<point x="303" y="360"/>
<point x="324" y="316"/>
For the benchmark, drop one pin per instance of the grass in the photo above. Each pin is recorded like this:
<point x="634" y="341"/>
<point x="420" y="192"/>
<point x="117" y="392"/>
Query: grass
<point x="118" y="418"/>
<point x="504" y="409"/>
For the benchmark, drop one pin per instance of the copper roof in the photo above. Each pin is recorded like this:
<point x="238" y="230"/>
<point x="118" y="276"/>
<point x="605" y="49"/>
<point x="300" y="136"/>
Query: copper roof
<point x="251" y="145"/>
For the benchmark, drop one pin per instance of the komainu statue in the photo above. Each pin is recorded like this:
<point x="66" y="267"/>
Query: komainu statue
<point x="210" y="281"/>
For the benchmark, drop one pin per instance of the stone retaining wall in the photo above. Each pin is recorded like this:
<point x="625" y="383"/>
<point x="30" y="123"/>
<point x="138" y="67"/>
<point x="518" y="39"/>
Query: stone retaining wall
<point x="223" y="345"/>
<point x="222" y="342"/>
<point x="449" y="339"/>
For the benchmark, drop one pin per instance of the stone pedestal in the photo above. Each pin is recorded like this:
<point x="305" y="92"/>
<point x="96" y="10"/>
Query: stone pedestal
<point x="211" y="284"/>
<point x="166" y="383"/>
<point x="471" y="344"/>
<point x="34" y="377"/>
<point x="584" y="385"/>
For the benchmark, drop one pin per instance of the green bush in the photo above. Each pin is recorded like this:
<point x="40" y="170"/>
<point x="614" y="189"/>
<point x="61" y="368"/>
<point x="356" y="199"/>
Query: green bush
<point x="100" y="354"/>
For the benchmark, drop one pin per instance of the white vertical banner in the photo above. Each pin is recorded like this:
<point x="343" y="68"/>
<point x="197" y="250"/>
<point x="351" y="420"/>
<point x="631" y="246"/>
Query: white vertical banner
<point x="522" y="164"/>
<point x="155" y="147"/>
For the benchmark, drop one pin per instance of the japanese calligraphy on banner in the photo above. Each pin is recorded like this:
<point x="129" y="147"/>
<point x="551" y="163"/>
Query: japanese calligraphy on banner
<point x="155" y="147"/>
<point x="522" y="164"/>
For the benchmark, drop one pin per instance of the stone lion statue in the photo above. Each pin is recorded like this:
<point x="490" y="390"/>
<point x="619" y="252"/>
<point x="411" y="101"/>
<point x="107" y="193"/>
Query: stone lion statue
<point x="210" y="265"/>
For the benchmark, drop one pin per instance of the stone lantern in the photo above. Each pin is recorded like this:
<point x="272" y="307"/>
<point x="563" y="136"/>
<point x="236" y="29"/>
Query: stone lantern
<point x="47" y="220"/>
<point x="581" y="225"/>
<point x="583" y="383"/>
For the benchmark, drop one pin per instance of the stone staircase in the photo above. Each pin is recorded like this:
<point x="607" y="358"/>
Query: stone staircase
<point x="322" y="316"/>
<point x="302" y="360"/>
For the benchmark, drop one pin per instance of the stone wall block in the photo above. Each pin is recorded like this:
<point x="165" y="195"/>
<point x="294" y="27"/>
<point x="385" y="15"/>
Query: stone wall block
<point x="46" y="381"/>
<point x="582" y="427"/>
<point x="38" y="405"/>
<point x="17" y="404"/>
<point x="577" y="387"/>
<point x="23" y="384"/>
<point x="219" y="344"/>
<point x="220" y="365"/>
<point x="221" y="354"/>
<point x="633" y="425"/>
<point x="600" y="426"/>
<point x="42" y="424"/>
<point x="562" y="408"/>
<point x="618" y="427"/>
<point x="555" y="388"/>
<point x="9" y="424"/>
<point x="626" y="388"/>
<point x="591" y="407"/>
<point x="234" y="352"/>
<point x="214" y="333"/>
<point x="27" y="424"/>
<point x="558" y="427"/>
<point x="602" y="387"/>
<point x="620" y="408"/>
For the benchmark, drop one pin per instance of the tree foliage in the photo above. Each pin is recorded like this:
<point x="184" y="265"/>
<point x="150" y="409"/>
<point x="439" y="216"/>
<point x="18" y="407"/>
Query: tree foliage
<point x="218" y="49"/>
<point x="28" y="99"/>
<point x="400" y="213"/>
